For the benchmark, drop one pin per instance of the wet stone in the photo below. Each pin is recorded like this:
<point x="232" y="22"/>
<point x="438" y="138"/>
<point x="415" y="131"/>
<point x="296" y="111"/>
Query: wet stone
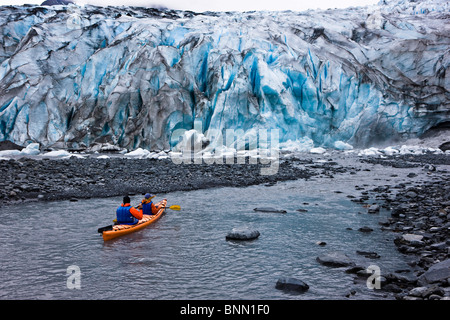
<point x="335" y="259"/>
<point x="291" y="284"/>
<point x="242" y="233"/>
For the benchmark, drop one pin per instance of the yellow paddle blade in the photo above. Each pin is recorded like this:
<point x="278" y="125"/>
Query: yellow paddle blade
<point x="175" y="207"/>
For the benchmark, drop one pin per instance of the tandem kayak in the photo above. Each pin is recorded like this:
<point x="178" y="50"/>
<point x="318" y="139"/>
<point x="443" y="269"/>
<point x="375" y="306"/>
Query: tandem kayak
<point x="123" y="229"/>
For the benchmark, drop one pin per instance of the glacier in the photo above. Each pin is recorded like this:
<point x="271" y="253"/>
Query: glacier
<point x="78" y="76"/>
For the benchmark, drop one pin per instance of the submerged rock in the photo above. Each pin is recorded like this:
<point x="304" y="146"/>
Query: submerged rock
<point x="335" y="259"/>
<point x="291" y="284"/>
<point x="269" y="209"/>
<point x="242" y="233"/>
<point x="355" y="269"/>
<point x="368" y="254"/>
<point x="365" y="229"/>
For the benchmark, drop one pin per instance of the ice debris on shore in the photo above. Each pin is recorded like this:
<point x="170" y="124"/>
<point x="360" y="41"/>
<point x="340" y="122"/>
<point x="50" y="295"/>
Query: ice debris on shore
<point x="31" y="149"/>
<point x="286" y="150"/>
<point x="404" y="149"/>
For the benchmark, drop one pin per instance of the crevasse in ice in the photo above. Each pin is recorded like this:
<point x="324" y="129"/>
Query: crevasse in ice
<point x="72" y="76"/>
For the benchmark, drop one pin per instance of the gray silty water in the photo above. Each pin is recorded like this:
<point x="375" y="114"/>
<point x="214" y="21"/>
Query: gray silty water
<point x="185" y="255"/>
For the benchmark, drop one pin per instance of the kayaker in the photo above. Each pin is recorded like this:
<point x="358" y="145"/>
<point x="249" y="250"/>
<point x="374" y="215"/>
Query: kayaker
<point x="126" y="214"/>
<point x="147" y="205"/>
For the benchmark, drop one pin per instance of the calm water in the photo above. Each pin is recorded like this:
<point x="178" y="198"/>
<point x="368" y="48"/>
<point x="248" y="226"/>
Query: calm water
<point x="185" y="255"/>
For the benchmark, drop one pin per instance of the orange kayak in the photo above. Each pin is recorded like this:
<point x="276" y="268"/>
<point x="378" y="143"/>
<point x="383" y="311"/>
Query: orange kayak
<point x="123" y="229"/>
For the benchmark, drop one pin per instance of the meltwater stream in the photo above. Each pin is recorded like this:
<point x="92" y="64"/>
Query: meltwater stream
<point x="185" y="255"/>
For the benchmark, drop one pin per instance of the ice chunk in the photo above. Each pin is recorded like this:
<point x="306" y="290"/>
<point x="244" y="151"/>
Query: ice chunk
<point x="340" y="145"/>
<point x="138" y="153"/>
<point x="56" y="154"/>
<point x="302" y="145"/>
<point x="192" y="141"/>
<point x="435" y="150"/>
<point x="31" y="149"/>
<point x="161" y="155"/>
<point x="407" y="149"/>
<point x="390" y="151"/>
<point x="369" y="152"/>
<point x="9" y="153"/>
<point x="104" y="156"/>
<point x="318" y="150"/>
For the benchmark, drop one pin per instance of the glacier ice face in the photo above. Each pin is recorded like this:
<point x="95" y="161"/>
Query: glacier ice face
<point x="73" y="76"/>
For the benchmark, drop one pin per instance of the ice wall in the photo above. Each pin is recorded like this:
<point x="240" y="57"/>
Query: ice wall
<point x="71" y="76"/>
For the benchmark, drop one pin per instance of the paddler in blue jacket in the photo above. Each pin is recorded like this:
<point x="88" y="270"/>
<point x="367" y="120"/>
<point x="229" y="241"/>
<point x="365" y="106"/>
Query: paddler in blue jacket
<point x="147" y="205"/>
<point x="126" y="214"/>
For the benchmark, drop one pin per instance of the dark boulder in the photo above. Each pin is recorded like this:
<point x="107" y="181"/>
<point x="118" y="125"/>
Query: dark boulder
<point x="242" y="233"/>
<point x="365" y="229"/>
<point x="291" y="284"/>
<point x="445" y="146"/>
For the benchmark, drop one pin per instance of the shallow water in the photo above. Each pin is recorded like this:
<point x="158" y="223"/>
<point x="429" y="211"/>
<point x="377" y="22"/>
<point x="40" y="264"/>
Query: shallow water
<point x="185" y="255"/>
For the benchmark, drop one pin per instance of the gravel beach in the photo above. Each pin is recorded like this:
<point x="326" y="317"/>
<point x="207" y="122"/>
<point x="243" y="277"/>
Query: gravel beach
<point x="27" y="179"/>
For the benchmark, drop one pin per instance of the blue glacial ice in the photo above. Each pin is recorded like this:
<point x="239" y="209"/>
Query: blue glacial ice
<point x="76" y="76"/>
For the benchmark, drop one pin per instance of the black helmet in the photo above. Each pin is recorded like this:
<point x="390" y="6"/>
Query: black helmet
<point x="126" y="199"/>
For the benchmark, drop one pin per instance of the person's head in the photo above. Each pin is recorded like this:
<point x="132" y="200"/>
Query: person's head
<point x="126" y="199"/>
<point x="149" y="196"/>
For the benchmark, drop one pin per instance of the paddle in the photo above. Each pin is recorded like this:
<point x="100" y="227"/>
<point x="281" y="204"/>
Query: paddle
<point x="107" y="228"/>
<point x="174" y="207"/>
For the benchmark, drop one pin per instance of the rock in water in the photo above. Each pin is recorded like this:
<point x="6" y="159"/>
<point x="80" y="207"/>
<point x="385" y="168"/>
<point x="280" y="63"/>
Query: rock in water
<point x="291" y="284"/>
<point x="335" y="259"/>
<point x="368" y="254"/>
<point x="365" y="229"/>
<point x="242" y="233"/>
<point x="269" y="209"/>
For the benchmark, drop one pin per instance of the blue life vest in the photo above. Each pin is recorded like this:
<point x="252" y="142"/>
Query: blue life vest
<point x="147" y="208"/>
<point x="124" y="216"/>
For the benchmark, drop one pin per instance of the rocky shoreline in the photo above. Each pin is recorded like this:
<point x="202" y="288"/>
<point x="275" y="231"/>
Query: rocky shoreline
<point x="420" y="218"/>
<point x="28" y="179"/>
<point x="419" y="211"/>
